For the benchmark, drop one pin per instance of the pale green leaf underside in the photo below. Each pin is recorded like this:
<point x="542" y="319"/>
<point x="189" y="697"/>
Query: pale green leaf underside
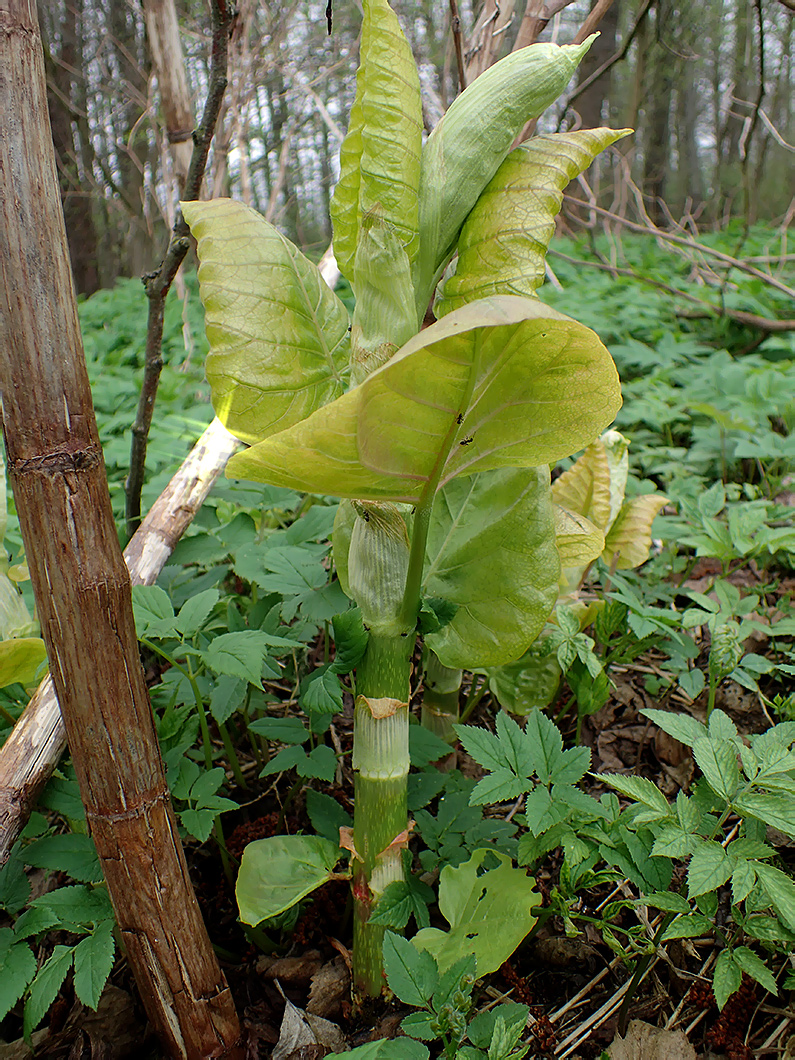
<point x="579" y="541"/>
<point x="276" y="873"/>
<point x="471" y="141"/>
<point x="279" y="346"/>
<point x="380" y="156"/>
<point x="528" y="385"/>
<point x="504" y="241"/>
<point x="488" y="530"/>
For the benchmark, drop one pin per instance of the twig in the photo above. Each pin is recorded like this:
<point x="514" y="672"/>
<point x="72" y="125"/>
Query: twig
<point x="37" y="741"/>
<point x="458" y="42"/>
<point x="157" y="284"/>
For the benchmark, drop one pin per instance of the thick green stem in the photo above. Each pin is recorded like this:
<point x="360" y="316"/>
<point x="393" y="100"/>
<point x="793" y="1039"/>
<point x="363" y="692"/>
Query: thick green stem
<point x="381" y="766"/>
<point x="441" y="696"/>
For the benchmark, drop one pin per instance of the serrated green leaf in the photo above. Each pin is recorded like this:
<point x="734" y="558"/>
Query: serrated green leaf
<point x="276" y="873"/>
<point x="756" y="968"/>
<point x="72" y="853"/>
<point x="489" y="913"/>
<point x="673" y="842"/>
<point x="278" y="335"/>
<point x="229" y="694"/>
<point x="493" y="528"/>
<point x="387" y="1049"/>
<point x="326" y="815"/>
<point x="17" y="968"/>
<point x="195" y="612"/>
<point x="481" y="1029"/>
<point x="320" y="764"/>
<point x="503" y="243"/>
<point x="543" y="735"/>
<point x="350" y="640"/>
<point x="681" y="726"/>
<point x="780" y="889"/>
<point x="45" y="986"/>
<point x="425" y="746"/>
<point x="321" y="693"/>
<point x="640" y="789"/>
<point x="726" y="979"/>
<point x="499" y="786"/>
<point x="776" y="810"/>
<point x="483" y="746"/>
<point x="709" y="868"/>
<point x="93" y="957"/>
<point x="692" y="926"/>
<point x="668" y="901"/>
<point x="285" y="730"/>
<point x="198" y="823"/>
<point x="743" y="880"/>
<point x="78" y="905"/>
<point x="153" y="612"/>
<point x="287" y="758"/>
<point x="238" y="654"/>
<point x="518" y="745"/>
<point x="528" y="385"/>
<point x="717" y="759"/>
<point x="411" y="973"/>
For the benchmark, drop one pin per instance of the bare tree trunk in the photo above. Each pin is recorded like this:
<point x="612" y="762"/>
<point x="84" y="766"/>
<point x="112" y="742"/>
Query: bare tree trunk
<point x="81" y="584"/>
<point x="163" y="30"/>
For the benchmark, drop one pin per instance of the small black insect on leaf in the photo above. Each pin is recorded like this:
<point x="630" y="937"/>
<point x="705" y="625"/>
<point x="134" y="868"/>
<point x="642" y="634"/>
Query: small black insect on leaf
<point x="459" y="418"/>
<point x="329" y="16"/>
<point x="466" y="441"/>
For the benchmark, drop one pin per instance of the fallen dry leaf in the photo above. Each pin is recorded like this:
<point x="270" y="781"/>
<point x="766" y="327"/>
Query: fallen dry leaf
<point x="645" y="1042"/>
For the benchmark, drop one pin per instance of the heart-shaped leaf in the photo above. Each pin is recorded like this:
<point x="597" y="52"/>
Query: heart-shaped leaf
<point x="504" y="382"/>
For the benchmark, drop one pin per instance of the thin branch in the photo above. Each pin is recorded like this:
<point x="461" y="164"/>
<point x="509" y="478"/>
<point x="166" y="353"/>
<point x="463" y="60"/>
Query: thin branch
<point x="157" y="284"/>
<point x="458" y="41"/>
<point x="593" y="19"/>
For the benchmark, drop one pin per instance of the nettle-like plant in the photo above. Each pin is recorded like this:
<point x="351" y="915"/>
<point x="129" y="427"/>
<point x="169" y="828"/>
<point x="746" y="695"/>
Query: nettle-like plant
<point x="439" y="439"/>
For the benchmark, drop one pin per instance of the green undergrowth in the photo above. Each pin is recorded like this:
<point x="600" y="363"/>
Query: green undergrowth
<point x="250" y="644"/>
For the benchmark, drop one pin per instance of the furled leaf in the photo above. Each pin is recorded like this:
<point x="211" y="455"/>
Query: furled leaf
<point x="93" y="963"/>
<point x="579" y="541"/>
<point x="411" y="973"/>
<point x="629" y="537"/>
<point x="278" y="336"/>
<point x="492" y="529"/>
<point x="380" y="155"/>
<point x="585" y="488"/>
<point x="527" y="384"/>
<point x="21" y="660"/>
<point x="489" y="913"/>
<point x="504" y="240"/>
<point x="276" y="873"/>
<point x="473" y="138"/>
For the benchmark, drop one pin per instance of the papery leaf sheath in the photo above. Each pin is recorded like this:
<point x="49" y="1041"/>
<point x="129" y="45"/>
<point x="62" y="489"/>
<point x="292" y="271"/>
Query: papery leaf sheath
<point x="503" y="243"/>
<point x="491" y="551"/>
<point x="279" y="344"/>
<point x="504" y="382"/>
<point x="380" y="156"/>
<point x="473" y="138"/>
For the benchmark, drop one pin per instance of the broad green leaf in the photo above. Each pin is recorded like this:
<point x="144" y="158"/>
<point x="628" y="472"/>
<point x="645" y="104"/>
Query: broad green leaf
<point x="629" y="537"/>
<point x="420" y="1025"/>
<point x="489" y="913"/>
<point x="673" y="842"/>
<point x="504" y="240"/>
<point x="777" y="810"/>
<point x="499" y="786"/>
<point x="387" y="1049"/>
<point x="529" y="683"/>
<point x="195" y="612"/>
<point x="481" y="1029"/>
<point x="153" y="612"/>
<point x="514" y="384"/>
<point x="639" y="788"/>
<point x="45" y="986"/>
<point x="380" y="155"/>
<point x="780" y="889"/>
<point x="717" y="760"/>
<point x="411" y="973"/>
<point x="77" y="905"/>
<point x="15" y="620"/>
<point x="756" y="968"/>
<point x="726" y="979"/>
<point x="276" y="873"/>
<point x="326" y="815"/>
<point x="278" y="336"/>
<point x="229" y="694"/>
<point x="668" y="901"/>
<point x="469" y="144"/>
<point x="17" y="968"/>
<point x="578" y="541"/>
<point x="72" y="853"/>
<point x="681" y="726"/>
<point x="322" y="693"/>
<point x="238" y="654"/>
<point x="494" y="528"/>
<point x="285" y="730"/>
<point x="743" y="880"/>
<point x="93" y="963"/>
<point x="693" y="926"/>
<point x="21" y="660"/>
<point x="709" y="868"/>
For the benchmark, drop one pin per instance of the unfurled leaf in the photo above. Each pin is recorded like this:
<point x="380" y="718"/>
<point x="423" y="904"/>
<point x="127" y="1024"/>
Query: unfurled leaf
<point x="276" y="873"/>
<point x="279" y="344"/>
<point x="629" y="537"/>
<point x="326" y="815"/>
<point x="195" y="612"/>
<point x="755" y="967"/>
<point x="72" y="853"/>
<point x="469" y="144"/>
<point x="489" y="913"/>
<point x="153" y="611"/>
<point x="494" y="528"/>
<point x="238" y="654"/>
<point x="640" y="789"/>
<point x="321" y="693"/>
<point x="553" y="764"/>
<point x="22" y="660"/>
<point x="692" y="926"/>
<point x="717" y="760"/>
<point x="411" y="973"/>
<point x="710" y="868"/>
<point x="726" y="979"/>
<point x="45" y="986"/>
<point x="526" y="685"/>
<point x="380" y="155"/>
<point x="229" y="694"/>
<point x="776" y="809"/>
<point x="503" y="243"/>
<point x="17" y="968"/>
<point x="514" y="384"/>
<point x="681" y="726"/>
<point x="93" y="957"/>
<point x="780" y="889"/>
<point x="578" y="540"/>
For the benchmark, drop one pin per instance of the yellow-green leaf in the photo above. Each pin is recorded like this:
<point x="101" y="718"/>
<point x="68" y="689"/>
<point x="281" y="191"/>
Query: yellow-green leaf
<point x="21" y="660"/>
<point x="504" y="382"/>
<point x="503" y="244"/>
<point x="579" y="541"/>
<point x="380" y="156"/>
<point x="585" y="488"/>
<point x="279" y="345"/>
<point x="630" y="535"/>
